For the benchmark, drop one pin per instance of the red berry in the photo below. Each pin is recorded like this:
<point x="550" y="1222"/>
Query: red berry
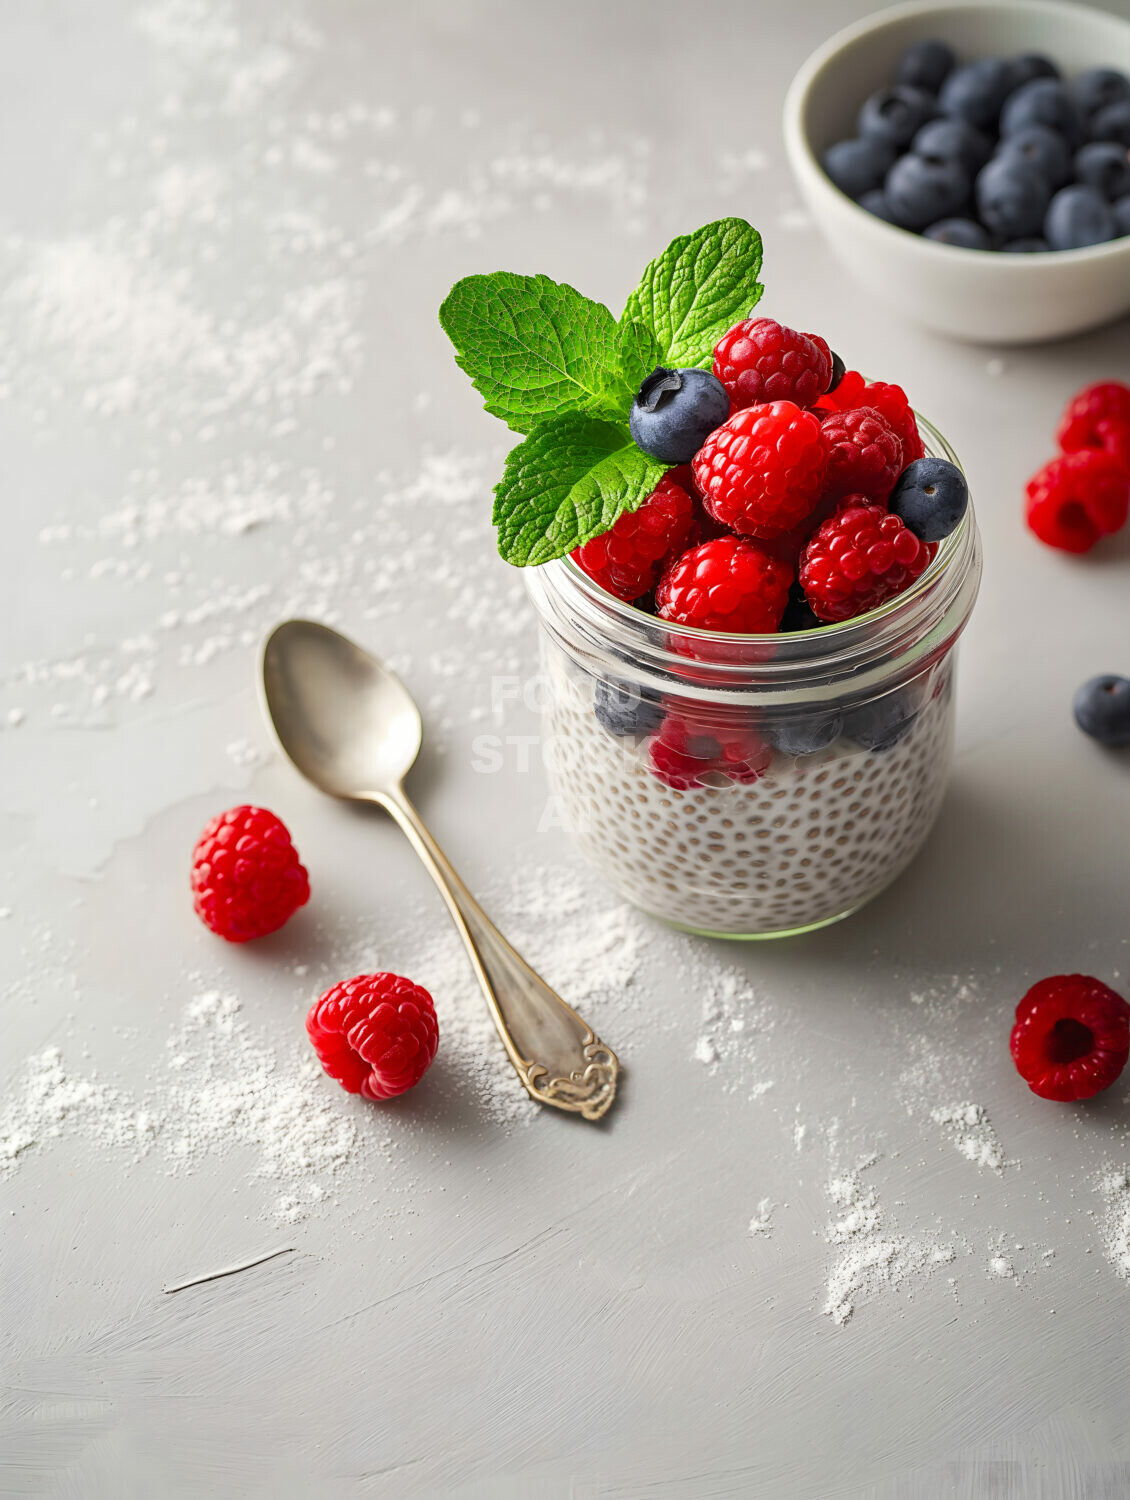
<point x="864" y="453"/>
<point x="689" y="748"/>
<point x="628" y="559"/>
<point x="375" y="1034"/>
<point x="858" y="559"/>
<point x="1071" y="1038"/>
<point x="889" y="401"/>
<point x="759" y="361"/>
<point x="246" y="878"/>
<point x="1098" y="417"/>
<point x="727" y="584"/>
<point x="761" y="472"/>
<point x="1078" y="498"/>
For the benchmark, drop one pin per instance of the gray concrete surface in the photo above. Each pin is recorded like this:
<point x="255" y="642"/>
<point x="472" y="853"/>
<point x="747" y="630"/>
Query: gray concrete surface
<point x="225" y="232"/>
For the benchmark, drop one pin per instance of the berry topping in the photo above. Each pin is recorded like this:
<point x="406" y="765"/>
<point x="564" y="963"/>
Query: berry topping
<point x="727" y="584"/>
<point x="1102" y="709"/>
<point x="930" y="498"/>
<point x="1104" y="165"/>
<point x="1078" y="498"/>
<point x="857" y="560"/>
<point x="976" y="91"/>
<point x="839" y="370"/>
<point x="691" y="748"/>
<point x="859" y="166"/>
<point x="246" y="878"/>
<point x="1078" y="216"/>
<point x="896" y="114"/>
<point x="763" y="471"/>
<point x="1095" y="88"/>
<point x="626" y="708"/>
<point x="1098" y="417"/>
<point x="1042" y="101"/>
<point x="1041" y="149"/>
<point x="865" y="453"/>
<point x="1112" y="123"/>
<point x="375" y="1034"/>
<point x="922" y="189"/>
<point x="954" y="140"/>
<point x="674" y="411"/>
<point x="1012" y="197"/>
<point x="804" y="734"/>
<point x="759" y="361"/>
<point x="889" y="401"/>
<point x="926" y="64"/>
<point x="882" y="723"/>
<point x="1071" y="1038"/>
<point x="628" y="559"/>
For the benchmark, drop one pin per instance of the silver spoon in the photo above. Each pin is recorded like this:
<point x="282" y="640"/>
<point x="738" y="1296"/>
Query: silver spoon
<point x="351" y="728"/>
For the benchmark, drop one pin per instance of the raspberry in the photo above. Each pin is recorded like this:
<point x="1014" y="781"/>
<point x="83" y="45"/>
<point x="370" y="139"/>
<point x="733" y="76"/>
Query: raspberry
<point x="246" y="878"/>
<point x="889" y="401"/>
<point x="1071" y="1038"/>
<point x="688" y="748"/>
<point x="375" y="1034"/>
<point x="864" y="453"/>
<point x="1098" y="417"/>
<point x="727" y="584"/>
<point x="1078" y="498"/>
<point x="628" y="559"/>
<point x="759" y="361"/>
<point x="761" y="472"/>
<point x="859" y="558"/>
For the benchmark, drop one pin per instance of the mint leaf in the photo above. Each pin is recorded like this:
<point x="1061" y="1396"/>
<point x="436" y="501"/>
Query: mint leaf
<point x="535" y="348"/>
<point x="571" y="479"/>
<point x="639" y="352"/>
<point x="700" y="286"/>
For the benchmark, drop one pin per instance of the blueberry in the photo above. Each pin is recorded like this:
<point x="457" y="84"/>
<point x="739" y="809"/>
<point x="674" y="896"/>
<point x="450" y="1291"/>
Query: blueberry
<point x="977" y="91"/>
<point x="925" y="65"/>
<point x="1012" y="198"/>
<point x="625" y="708"/>
<point x="930" y="498"/>
<point x="839" y="370"/>
<point x="799" y="614"/>
<point x="1112" y="123"/>
<point x="894" y="115"/>
<point x="1121" y="212"/>
<point x="1044" y="101"/>
<point x="1102" y="709"/>
<point x="1031" y="65"/>
<point x="954" y="140"/>
<point x="859" y="166"/>
<point x="804" y="734"/>
<point x="967" y="234"/>
<point x="1078" y="216"/>
<point x="880" y="725"/>
<point x="1098" y="87"/>
<point x="922" y="189"/>
<point x="1044" y="149"/>
<point x="1104" y="165"/>
<point x="675" y="411"/>
<point x="1031" y="244"/>
<point x="876" y="203"/>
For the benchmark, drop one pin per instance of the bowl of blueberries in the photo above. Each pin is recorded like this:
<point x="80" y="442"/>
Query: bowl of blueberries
<point x="970" y="163"/>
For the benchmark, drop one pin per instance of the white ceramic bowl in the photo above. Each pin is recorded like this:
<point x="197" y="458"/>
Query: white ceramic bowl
<point x="971" y="294"/>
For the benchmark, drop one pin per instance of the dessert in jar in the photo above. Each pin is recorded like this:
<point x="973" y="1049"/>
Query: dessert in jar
<point x="751" y="574"/>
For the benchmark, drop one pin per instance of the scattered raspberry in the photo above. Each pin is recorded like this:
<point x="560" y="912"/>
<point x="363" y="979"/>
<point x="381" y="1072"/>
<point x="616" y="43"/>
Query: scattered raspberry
<point x="375" y="1034"/>
<point x="1071" y="1038"/>
<point x="628" y="559"/>
<point x="1076" y="499"/>
<point x="689" y="748"/>
<point x="762" y="471"/>
<point x="246" y="878"/>
<point x="1098" y="417"/>
<point x="858" y="559"/>
<point x="760" y="361"/>
<point x="727" y="584"/>
<point x="889" y="401"/>
<point x="864" y="453"/>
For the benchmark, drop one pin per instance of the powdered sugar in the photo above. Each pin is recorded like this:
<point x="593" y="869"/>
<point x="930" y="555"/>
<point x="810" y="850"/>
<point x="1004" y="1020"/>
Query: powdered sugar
<point x="1114" y="1185"/>
<point x="969" y="1128"/>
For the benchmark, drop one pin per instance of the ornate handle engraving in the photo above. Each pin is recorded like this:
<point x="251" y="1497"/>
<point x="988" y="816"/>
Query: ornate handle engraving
<point x="557" y="1055"/>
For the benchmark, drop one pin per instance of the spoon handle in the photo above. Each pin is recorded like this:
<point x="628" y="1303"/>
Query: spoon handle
<point x="559" y="1058"/>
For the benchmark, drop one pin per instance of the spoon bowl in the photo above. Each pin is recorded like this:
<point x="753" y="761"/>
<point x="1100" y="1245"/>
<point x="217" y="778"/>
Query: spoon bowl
<point x="346" y="721"/>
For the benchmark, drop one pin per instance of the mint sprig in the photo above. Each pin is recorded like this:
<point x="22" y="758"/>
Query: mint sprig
<point x="560" y="368"/>
<point x="700" y="286"/>
<point x="568" y="482"/>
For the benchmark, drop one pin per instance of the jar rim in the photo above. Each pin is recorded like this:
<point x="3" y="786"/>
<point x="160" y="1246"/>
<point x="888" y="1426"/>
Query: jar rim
<point x="934" y="608"/>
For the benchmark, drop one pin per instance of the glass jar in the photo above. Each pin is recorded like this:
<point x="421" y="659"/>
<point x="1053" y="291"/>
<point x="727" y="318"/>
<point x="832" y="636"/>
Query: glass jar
<point x="753" y="786"/>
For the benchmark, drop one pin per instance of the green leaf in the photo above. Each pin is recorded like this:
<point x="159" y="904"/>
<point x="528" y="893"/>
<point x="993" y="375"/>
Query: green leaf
<point x="700" y="286"/>
<point x="570" y="480"/>
<point x="639" y="353"/>
<point x="535" y="348"/>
